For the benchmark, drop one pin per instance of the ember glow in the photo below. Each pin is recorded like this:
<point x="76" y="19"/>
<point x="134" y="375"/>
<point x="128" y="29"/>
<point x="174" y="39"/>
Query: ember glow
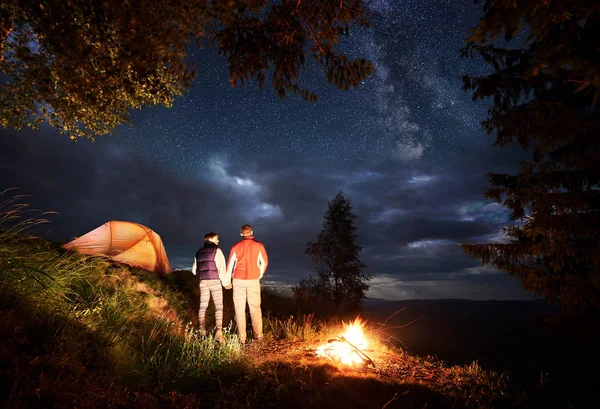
<point x="347" y="348"/>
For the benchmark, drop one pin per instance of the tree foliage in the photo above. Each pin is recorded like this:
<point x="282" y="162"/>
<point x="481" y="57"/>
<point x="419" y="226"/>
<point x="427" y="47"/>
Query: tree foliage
<point x="545" y="88"/>
<point x="340" y="277"/>
<point x="84" y="65"/>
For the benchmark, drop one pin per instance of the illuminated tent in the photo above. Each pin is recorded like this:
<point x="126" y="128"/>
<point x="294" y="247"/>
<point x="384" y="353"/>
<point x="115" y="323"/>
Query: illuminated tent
<point x="125" y="242"/>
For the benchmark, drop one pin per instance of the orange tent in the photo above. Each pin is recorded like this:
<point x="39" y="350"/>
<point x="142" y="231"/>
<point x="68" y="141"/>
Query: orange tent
<point x="125" y="242"/>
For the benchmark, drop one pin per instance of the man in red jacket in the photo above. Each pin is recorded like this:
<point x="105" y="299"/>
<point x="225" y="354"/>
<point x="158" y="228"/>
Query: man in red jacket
<point x="247" y="264"/>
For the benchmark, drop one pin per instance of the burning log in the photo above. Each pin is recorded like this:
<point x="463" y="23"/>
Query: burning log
<point x="364" y="356"/>
<point x="349" y="347"/>
<point x="334" y="357"/>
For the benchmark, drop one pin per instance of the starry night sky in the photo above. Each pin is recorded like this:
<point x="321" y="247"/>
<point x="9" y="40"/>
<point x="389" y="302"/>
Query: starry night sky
<point x="406" y="148"/>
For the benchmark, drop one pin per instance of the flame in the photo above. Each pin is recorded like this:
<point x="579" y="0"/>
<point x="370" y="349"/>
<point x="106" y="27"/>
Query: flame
<point x="341" y="351"/>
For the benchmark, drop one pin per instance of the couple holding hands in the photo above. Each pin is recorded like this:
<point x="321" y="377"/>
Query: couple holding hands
<point x="247" y="263"/>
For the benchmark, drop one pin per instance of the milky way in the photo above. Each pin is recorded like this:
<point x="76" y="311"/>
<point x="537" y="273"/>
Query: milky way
<point x="406" y="147"/>
<point x="411" y="109"/>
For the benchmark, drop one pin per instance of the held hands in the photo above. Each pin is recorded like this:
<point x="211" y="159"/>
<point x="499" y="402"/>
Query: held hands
<point x="228" y="287"/>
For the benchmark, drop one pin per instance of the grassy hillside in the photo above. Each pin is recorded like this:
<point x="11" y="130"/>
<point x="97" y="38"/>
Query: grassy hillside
<point x="85" y="332"/>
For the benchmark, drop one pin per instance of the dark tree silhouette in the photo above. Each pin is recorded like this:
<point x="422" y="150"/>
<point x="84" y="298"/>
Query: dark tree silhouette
<point x="83" y="65"/>
<point x="545" y="88"/>
<point x="340" y="276"/>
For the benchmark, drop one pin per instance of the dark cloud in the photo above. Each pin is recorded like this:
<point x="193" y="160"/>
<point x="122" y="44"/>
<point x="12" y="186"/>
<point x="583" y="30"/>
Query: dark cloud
<point x="408" y="222"/>
<point x="89" y="184"/>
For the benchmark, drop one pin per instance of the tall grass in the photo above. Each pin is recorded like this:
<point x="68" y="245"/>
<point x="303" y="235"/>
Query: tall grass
<point x="184" y="361"/>
<point x="305" y="327"/>
<point x="99" y="311"/>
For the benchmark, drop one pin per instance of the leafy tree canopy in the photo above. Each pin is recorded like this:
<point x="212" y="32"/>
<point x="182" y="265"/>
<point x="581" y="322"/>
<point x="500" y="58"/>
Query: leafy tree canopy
<point x="340" y="277"/>
<point x="545" y="88"/>
<point x="83" y="65"/>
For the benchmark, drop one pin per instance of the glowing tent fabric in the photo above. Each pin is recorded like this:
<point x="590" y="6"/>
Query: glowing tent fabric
<point x="125" y="242"/>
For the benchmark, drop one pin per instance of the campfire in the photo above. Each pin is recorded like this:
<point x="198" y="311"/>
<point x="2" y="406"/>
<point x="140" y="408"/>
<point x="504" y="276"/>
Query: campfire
<point x="348" y="348"/>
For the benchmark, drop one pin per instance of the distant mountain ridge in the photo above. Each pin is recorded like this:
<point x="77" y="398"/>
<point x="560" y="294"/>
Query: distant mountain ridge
<point x="497" y="333"/>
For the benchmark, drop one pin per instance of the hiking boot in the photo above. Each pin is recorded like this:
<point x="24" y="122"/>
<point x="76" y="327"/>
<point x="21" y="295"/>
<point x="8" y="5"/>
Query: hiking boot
<point x="219" y="335"/>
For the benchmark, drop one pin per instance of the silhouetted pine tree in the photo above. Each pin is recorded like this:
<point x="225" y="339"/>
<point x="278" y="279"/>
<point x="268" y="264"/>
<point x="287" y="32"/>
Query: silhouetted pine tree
<point x="340" y="276"/>
<point x="545" y="88"/>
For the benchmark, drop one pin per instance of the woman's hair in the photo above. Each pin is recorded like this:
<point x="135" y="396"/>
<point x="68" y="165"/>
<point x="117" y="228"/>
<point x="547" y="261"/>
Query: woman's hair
<point x="210" y="235"/>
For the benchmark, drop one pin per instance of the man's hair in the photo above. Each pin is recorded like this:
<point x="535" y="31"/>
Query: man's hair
<point x="246" y="230"/>
<point x="210" y="235"/>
